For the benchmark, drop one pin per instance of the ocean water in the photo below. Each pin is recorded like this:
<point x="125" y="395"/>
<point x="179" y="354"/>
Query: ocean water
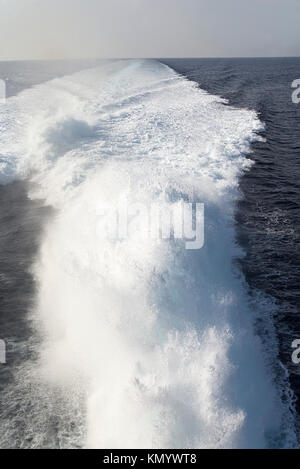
<point x="140" y="343"/>
<point x="268" y="217"/>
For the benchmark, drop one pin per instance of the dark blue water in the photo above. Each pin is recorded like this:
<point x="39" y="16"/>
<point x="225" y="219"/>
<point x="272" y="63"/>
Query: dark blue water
<point x="268" y="216"/>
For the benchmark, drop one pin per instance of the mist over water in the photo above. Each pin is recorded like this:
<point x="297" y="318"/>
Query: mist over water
<point x="140" y="343"/>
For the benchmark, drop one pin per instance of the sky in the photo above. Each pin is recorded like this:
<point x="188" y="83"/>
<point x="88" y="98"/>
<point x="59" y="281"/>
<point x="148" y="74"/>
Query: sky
<point x="50" y="29"/>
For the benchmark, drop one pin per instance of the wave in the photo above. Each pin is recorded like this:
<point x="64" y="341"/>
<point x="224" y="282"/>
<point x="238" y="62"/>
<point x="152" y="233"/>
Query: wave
<point x="148" y="345"/>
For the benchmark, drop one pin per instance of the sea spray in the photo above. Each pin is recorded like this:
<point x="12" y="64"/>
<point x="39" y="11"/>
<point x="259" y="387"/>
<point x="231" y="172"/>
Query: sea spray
<point x="153" y="344"/>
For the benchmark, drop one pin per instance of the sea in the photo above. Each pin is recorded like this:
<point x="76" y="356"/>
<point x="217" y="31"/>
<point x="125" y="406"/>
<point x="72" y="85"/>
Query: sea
<point x="137" y="342"/>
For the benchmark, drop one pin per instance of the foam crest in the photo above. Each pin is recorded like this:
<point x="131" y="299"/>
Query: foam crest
<point x="160" y="339"/>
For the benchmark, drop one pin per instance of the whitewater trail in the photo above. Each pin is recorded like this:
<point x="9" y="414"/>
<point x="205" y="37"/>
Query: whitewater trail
<point x="142" y="343"/>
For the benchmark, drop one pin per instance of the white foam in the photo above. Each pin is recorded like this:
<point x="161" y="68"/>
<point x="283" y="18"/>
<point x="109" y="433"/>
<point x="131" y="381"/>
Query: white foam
<point x="162" y="338"/>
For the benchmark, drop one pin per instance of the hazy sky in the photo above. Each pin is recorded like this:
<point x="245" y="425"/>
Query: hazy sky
<point x="148" y="28"/>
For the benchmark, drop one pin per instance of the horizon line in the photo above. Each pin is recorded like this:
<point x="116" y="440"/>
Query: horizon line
<point x="147" y="58"/>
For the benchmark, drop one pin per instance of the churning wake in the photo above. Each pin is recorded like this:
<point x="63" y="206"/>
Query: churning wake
<point x="142" y="343"/>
